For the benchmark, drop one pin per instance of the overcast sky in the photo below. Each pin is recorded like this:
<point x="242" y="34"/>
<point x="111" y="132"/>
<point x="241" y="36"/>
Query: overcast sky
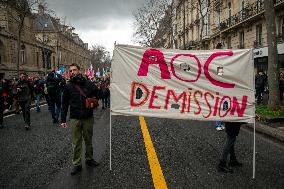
<point x="99" y="21"/>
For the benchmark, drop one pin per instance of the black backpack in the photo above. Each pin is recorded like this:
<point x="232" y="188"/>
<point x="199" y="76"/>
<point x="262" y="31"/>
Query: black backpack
<point x="53" y="84"/>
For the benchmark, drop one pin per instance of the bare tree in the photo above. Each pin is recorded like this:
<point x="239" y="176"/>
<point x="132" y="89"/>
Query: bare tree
<point x="147" y="20"/>
<point x="203" y="8"/>
<point x="273" y="63"/>
<point x="19" y="10"/>
<point x="100" y="57"/>
<point x="164" y="36"/>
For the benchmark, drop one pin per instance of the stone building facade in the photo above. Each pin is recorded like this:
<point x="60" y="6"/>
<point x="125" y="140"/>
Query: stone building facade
<point x="45" y="44"/>
<point x="228" y="24"/>
<point x="68" y="46"/>
<point x="8" y="44"/>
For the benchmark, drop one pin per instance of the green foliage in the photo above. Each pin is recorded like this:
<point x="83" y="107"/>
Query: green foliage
<point x="263" y="111"/>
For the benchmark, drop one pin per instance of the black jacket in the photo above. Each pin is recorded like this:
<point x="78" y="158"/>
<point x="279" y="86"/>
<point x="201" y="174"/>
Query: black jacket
<point x="55" y="84"/>
<point x="233" y="128"/>
<point x="76" y="101"/>
<point x="24" y="90"/>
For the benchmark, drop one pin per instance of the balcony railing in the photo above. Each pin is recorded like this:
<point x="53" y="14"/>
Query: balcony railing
<point x="248" y="12"/>
<point x="278" y="2"/>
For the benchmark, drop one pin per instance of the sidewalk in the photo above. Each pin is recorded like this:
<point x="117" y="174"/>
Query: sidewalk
<point x="275" y="130"/>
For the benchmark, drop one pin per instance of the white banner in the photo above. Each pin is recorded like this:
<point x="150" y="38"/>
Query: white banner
<point x="183" y="84"/>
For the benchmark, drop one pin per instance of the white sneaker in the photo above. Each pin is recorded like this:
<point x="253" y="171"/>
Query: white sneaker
<point x="219" y="128"/>
<point x="27" y="127"/>
<point x="222" y="127"/>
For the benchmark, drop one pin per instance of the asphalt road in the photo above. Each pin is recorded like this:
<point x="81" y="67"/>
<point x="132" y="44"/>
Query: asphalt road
<point x="187" y="151"/>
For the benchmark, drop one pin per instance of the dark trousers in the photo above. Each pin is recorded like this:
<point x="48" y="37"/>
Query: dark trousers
<point x="81" y="129"/>
<point x="229" y="148"/>
<point x="55" y="105"/>
<point x="47" y="98"/>
<point x="105" y="102"/>
<point x="38" y="99"/>
<point x="281" y="90"/>
<point x="26" y="107"/>
<point x="258" y="94"/>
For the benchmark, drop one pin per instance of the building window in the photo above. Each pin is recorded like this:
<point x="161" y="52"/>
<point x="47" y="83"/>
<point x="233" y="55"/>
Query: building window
<point x="281" y="60"/>
<point x="229" y="12"/>
<point x="43" y="58"/>
<point x="1" y="52"/>
<point x="53" y="61"/>
<point x="229" y="45"/>
<point x="259" y="35"/>
<point x="242" y="5"/>
<point x="37" y="59"/>
<point x="243" y="10"/>
<point x="259" y="5"/>
<point x="282" y="31"/>
<point x="23" y="54"/>
<point x="242" y="40"/>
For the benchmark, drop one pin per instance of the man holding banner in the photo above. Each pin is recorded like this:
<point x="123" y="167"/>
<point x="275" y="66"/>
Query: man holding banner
<point x="232" y="130"/>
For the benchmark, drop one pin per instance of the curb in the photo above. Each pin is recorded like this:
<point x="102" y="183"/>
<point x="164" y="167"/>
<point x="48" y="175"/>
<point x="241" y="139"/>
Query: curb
<point x="267" y="130"/>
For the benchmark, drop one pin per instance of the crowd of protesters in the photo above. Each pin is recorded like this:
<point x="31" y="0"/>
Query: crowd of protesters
<point x="19" y="93"/>
<point x="16" y="94"/>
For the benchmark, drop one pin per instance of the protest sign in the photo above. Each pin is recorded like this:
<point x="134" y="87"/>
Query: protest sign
<point x="183" y="84"/>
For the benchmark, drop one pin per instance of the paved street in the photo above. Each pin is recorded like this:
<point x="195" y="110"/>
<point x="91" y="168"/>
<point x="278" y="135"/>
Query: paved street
<point x="188" y="152"/>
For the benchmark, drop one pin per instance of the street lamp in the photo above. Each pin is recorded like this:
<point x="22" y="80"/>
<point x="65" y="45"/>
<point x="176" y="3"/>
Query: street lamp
<point x="58" y="52"/>
<point x="44" y="41"/>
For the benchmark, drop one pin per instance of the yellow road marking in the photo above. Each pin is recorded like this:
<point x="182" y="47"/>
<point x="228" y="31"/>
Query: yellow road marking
<point x="156" y="171"/>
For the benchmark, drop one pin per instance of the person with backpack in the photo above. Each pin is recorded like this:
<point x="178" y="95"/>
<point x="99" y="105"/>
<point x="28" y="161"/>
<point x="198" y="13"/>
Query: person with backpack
<point x="55" y="84"/>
